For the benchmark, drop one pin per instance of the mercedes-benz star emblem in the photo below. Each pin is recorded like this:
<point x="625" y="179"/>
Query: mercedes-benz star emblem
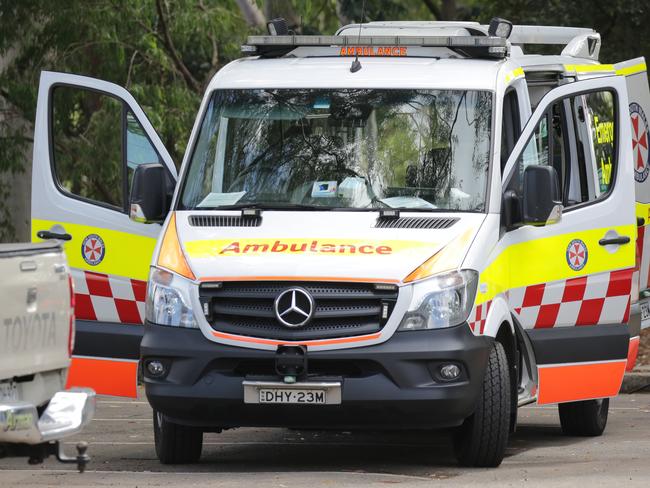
<point x="294" y="307"/>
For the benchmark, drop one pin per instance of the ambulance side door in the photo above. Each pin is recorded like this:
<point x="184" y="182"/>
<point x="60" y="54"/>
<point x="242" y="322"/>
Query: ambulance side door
<point x="570" y="277"/>
<point x="636" y="79"/>
<point x="89" y="137"/>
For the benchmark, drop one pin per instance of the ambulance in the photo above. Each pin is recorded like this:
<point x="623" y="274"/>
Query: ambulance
<point x="403" y="225"/>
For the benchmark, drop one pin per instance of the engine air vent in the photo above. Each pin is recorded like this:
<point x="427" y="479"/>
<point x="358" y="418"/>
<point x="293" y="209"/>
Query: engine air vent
<point x="416" y="222"/>
<point x="224" y="221"/>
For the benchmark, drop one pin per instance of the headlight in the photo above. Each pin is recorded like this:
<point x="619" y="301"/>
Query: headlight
<point x="442" y="301"/>
<point x="168" y="300"/>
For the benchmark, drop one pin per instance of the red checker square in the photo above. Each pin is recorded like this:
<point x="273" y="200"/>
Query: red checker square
<point x="98" y="284"/>
<point x="478" y="312"/>
<point x="620" y="283"/>
<point x="547" y="316"/>
<point x="482" y="329"/>
<point x="533" y="295"/>
<point x="128" y="311"/>
<point x="574" y="289"/>
<point x="139" y="290"/>
<point x="83" y="307"/>
<point x="590" y="311"/>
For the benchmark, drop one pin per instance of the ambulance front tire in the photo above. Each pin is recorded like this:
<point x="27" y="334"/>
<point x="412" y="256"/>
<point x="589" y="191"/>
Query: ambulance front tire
<point x="482" y="439"/>
<point x="587" y="418"/>
<point x="176" y="444"/>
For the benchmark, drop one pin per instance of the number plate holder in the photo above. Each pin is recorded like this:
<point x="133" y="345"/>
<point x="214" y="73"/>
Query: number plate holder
<point x="8" y="392"/>
<point x="645" y="310"/>
<point x="278" y="392"/>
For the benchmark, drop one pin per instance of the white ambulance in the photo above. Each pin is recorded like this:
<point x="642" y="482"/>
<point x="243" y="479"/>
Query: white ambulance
<point x="404" y="225"/>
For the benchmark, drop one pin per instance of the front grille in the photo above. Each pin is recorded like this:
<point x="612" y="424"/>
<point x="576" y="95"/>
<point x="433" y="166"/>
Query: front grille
<point x="341" y="309"/>
<point x="415" y="222"/>
<point x="224" y="221"/>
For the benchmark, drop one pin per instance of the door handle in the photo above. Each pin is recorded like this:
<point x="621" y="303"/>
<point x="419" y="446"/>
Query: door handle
<point x="606" y="241"/>
<point x="46" y="234"/>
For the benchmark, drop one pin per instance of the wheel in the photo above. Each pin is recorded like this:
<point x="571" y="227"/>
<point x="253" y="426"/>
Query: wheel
<point x="586" y="419"/>
<point x="176" y="444"/>
<point x="481" y="440"/>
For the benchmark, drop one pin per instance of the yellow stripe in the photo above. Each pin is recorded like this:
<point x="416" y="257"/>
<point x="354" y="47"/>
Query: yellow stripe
<point x="643" y="211"/>
<point x="544" y="260"/>
<point x="516" y="73"/>
<point x="335" y="247"/>
<point x="589" y="68"/>
<point x="631" y="70"/>
<point x="126" y="254"/>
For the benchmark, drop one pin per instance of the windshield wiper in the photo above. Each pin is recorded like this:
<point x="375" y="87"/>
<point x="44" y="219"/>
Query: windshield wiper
<point x="268" y="206"/>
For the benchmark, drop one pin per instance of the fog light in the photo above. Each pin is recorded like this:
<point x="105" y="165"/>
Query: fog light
<point x="155" y="368"/>
<point x="449" y="371"/>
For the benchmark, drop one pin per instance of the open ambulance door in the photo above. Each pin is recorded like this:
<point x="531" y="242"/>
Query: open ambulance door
<point x="636" y="78"/>
<point x="89" y="137"/>
<point x="570" y="278"/>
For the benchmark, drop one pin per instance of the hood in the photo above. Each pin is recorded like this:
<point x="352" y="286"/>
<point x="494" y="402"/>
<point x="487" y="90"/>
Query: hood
<point x="320" y="245"/>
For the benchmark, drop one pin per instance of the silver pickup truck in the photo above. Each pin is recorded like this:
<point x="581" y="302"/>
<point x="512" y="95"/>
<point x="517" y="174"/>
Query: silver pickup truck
<point x="36" y="340"/>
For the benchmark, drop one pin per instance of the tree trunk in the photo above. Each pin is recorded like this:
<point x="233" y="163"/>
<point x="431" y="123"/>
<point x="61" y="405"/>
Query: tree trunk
<point x="340" y="13"/>
<point x="449" y="10"/>
<point x="251" y="13"/>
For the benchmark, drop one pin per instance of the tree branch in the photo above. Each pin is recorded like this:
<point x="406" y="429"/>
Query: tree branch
<point x="169" y="44"/>
<point x="433" y="8"/>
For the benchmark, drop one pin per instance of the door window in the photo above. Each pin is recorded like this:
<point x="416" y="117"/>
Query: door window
<point x="138" y="147"/>
<point x="97" y="145"/>
<point x="510" y="127"/>
<point x="577" y="137"/>
<point x="86" y="131"/>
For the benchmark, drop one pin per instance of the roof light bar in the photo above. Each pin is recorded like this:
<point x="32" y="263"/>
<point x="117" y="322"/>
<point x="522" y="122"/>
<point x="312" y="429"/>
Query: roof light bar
<point x="471" y="46"/>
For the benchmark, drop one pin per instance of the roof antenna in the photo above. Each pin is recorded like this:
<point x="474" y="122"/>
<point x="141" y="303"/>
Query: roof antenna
<point x="356" y="64"/>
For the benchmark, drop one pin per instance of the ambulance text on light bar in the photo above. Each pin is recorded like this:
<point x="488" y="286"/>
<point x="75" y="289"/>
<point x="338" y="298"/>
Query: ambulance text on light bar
<point x="472" y="46"/>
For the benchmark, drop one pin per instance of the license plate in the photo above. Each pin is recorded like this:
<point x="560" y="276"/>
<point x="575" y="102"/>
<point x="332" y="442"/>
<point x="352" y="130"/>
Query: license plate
<point x="8" y="392"/>
<point x="278" y="395"/>
<point x="645" y="310"/>
<point x="308" y="393"/>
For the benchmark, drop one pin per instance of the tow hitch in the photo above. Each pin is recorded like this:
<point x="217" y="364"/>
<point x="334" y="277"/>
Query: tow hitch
<point x="37" y="453"/>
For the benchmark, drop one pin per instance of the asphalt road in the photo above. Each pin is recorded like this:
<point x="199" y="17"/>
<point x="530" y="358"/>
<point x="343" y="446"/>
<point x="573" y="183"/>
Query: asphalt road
<point x="121" y="446"/>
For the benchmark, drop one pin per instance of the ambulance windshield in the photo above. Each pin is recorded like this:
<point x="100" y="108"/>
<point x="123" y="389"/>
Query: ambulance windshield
<point x="342" y="148"/>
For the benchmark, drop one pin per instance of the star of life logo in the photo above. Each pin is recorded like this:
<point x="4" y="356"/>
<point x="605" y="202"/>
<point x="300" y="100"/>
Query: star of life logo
<point x="576" y="254"/>
<point x="640" y="148"/>
<point x="93" y="249"/>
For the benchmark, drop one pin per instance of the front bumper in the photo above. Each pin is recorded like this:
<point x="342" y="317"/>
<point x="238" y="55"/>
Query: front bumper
<point x="389" y="385"/>
<point x="67" y="413"/>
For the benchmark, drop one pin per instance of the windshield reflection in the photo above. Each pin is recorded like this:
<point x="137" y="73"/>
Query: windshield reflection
<point x="345" y="148"/>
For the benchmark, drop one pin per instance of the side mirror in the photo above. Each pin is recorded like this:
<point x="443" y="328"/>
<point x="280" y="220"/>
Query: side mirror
<point x="542" y="203"/>
<point x="149" y="200"/>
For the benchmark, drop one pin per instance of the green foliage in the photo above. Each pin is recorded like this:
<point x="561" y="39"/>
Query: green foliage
<point x="166" y="51"/>
<point x="623" y="24"/>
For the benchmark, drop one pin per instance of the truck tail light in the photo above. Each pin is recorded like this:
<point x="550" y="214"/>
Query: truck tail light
<point x="71" y="331"/>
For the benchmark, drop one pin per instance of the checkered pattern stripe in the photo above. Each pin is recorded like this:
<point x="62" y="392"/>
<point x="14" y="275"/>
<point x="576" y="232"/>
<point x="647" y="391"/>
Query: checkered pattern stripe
<point x="602" y="298"/>
<point x="108" y="298"/>
<point x="478" y="317"/>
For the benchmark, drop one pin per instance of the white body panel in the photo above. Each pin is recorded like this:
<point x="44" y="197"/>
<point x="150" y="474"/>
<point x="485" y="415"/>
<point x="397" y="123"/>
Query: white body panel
<point x="35" y="319"/>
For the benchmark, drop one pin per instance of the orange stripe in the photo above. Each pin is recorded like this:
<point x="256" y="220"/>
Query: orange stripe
<point x="579" y="381"/>
<point x="298" y="278"/>
<point x="105" y="376"/>
<point x="270" y="342"/>
<point x="632" y="352"/>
